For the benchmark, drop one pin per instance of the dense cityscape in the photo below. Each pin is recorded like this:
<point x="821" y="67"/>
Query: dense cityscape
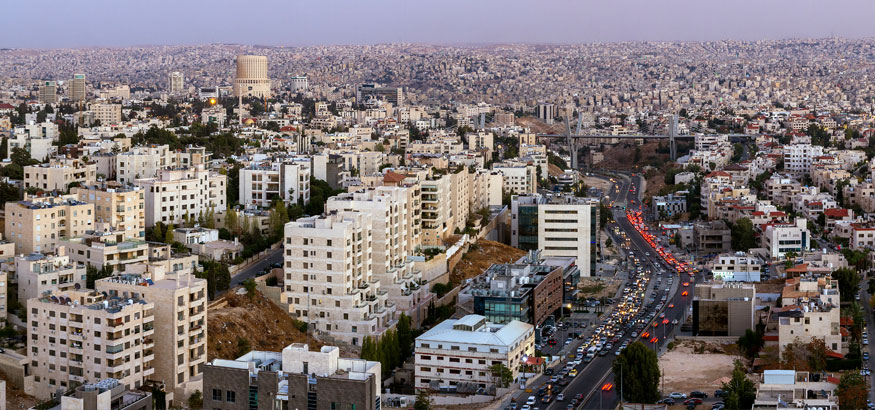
<point x="625" y="225"/>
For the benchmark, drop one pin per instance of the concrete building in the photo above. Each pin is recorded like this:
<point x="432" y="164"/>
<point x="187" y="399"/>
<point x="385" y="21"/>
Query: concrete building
<point x="669" y="205"/>
<point x="106" y="394"/>
<point x="519" y="178"/>
<point x="288" y="179"/>
<point x="558" y="225"/>
<point x="48" y="92"/>
<point x="778" y="389"/>
<point x="295" y="378"/>
<point x="180" y="320"/>
<point x="736" y="267"/>
<point x="810" y="309"/>
<point x="394" y="95"/>
<point x="106" y="249"/>
<point x="723" y="309"/>
<point x="546" y="112"/>
<point x="80" y="337"/>
<point x="780" y="239"/>
<point x="251" y="79"/>
<point x="329" y="281"/>
<point x="142" y="162"/>
<point x="183" y="194"/>
<point x="298" y="83"/>
<point x="36" y="139"/>
<point x="177" y="83"/>
<point x="107" y="113"/>
<point x="40" y="224"/>
<point x="117" y="208"/>
<point x="59" y="175"/>
<point x="459" y="352"/>
<point x="37" y="274"/>
<point x="712" y="237"/>
<point x="798" y="158"/>
<point x="437" y="217"/>
<point x="77" y="88"/>
<point x="394" y="212"/>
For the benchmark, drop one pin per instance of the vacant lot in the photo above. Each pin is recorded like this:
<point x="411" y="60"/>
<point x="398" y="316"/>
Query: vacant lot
<point x="481" y="257"/>
<point x="696" y="366"/>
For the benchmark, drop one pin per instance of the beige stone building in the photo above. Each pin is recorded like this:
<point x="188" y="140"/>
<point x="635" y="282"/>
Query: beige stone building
<point x="106" y="249"/>
<point x="180" y="301"/>
<point x="251" y="79"/>
<point x="80" y="337"/>
<point x="40" y="224"/>
<point x="117" y="208"/>
<point x="37" y="273"/>
<point x="329" y="281"/>
<point x="182" y="194"/>
<point x="58" y="175"/>
<point x="142" y="162"/>
<point x="107" y="113"/>
<point x="810" y="309"/>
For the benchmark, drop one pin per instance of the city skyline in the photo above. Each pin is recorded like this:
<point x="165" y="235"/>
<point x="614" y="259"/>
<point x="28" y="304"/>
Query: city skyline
<point x="276" y="23"/>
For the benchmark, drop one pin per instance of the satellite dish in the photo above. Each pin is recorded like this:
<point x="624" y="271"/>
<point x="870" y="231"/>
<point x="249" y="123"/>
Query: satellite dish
<point x="77" y="286"/>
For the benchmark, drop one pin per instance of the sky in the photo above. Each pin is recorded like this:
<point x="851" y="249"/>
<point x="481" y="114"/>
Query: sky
<point x="119" y="23"/>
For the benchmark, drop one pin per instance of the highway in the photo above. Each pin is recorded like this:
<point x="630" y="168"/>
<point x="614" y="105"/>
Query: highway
<point x="593" y="376"/>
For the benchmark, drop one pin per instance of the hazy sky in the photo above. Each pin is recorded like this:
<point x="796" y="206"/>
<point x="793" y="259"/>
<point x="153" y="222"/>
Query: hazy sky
<point x="81" y="23"/>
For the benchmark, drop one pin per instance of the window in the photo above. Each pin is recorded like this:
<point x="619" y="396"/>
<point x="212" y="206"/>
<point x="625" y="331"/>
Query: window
<point x="217" y="395"/>
<point x="230" y="396"/>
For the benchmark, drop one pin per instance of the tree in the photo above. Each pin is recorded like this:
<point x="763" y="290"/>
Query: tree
<point x="640" y="374"/>
<point x="168" y="234"/>
<point x="751" y="343"/>
<point x="817" y="355"/>
<point x="501" y="374"/>
<point x="852" y="391"/>
<point x="196" y="400"/>
<point x="250" y="286"/>
<point x="93" y="274"/>
<point x="741" y="392"/>
<point x="231" y="222"/>
<point x="849" y="283"/>
<point x="405" y="336"/>
<point x="743" y="235"/>
<point x="243" y="346"/>
<point x="423" y="400"/>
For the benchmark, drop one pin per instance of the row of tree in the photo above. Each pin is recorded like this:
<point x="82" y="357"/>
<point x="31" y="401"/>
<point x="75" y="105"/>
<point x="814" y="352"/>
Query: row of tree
<point x="393" y="348"/>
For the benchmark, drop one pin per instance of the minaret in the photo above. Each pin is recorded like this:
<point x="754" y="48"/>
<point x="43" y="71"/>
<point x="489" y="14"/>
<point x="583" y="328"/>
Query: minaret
<point x="240" y="109"/>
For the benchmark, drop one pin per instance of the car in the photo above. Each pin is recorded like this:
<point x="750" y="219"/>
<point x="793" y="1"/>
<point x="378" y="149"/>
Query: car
<point x="548" y="372"/>
<point x="554" y="379"/>
<point x="547" y="399"/>
<point x="674" y="322"/>
<point x="569" y="407"/>
<point x="693" y="400"/>
<point x="720" y="393"/>
<point x="718" y="406"/>
<point x="691" y="406"/>
<point x="674" y="395"/>
<point x="560" y="397"/>
<point x="865" y="341"/>
<point x="699" y="394"/>
<point x="573" y="373"/>
<point x="526" y="407"/>
<point x="531" y="400"/>
<point x="865" y="355"/>
<point x="668" y="400"/>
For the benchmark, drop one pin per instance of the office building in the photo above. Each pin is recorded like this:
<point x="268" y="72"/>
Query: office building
<point x="48" y="92"/>
<point x="558" y="225"/>
<point x="779" y="239"/>
<point x="393" y="95"/>
<point x="295" y="378"/>
<point x="669" y="205"/>
<point x="180" y="301"/>
<point x="40" y="224"/>
<point x="251" y="79"/>
<point x="77" y="337"/>
<point x="459" y="352"/>
<point x="77" y="88"/>
<point x="298" y="84"/>
<point x="546" y="112"/>
<point x="329" y="281"/>
<point x="177" y="83"/>
<point x="182" y="194"/>
<point x="723" y="309"/>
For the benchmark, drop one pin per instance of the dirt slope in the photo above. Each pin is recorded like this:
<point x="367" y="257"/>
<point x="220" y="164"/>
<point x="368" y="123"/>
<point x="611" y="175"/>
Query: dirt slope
<point x="476" y="261"/>
<point x="264" y="324"/>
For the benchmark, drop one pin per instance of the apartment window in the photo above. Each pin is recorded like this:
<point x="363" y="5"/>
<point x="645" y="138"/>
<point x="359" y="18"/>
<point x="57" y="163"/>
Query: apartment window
<point x="335" y="405"/>
<point x="217" y="395"/>
<point x="230" y="396"/>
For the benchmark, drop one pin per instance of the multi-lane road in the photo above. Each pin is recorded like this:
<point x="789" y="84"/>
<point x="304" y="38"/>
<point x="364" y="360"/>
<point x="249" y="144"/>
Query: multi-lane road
<point x="594" y="376"/>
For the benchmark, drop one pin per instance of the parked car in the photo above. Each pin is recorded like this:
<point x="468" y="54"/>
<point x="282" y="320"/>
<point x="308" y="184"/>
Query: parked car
<point x="693" y="400"/>
<point x="668" y="400"/>
<point x="720" y="393"/>
<point x="699" y="394"/>
<point x="677" y="396"/>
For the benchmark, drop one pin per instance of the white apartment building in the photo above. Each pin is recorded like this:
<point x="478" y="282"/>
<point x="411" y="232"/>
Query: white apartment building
<point x="817" y="313"/>
<point x="460" y="351"/>
<point x="40" y="224"/>
<point x="394" y="213"/>
<point x="183" y="194"/>
<point x="81" y="337"/>
<point x="329" y="281"/>
<point x="798" y="157"/>
<point x="780" y="239"/>
<point x="287" y="179"/>
<point x="59" y="175"/>
<point x="736" y="267"/>
<point x="437" y="222"/>
<point x="519" y="178"/>
<point x="142" y="162"/>
<point x="37" y="273"/>
<point x="180" y="320"/>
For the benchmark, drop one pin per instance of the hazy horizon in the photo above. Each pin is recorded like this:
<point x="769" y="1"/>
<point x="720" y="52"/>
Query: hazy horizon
<point x="105" y="23"/>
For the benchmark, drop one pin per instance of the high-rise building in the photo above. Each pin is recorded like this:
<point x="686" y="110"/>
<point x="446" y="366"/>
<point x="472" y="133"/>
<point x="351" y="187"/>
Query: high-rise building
<point x="251" y="79"/>
<point x="286" y="178"/>
<point x="117" y="208"/>
<point x="107" y="114"/>
<point x="546" y="112"/>
<point x="183" y="194"/>
<point x="177" y="81"/>
<point x="329" y="280"/>
<point x="77" y="88"/>
<point x="394" y="95"/>
<point x="39" y="224"/>
<point x="48" y="92"/>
